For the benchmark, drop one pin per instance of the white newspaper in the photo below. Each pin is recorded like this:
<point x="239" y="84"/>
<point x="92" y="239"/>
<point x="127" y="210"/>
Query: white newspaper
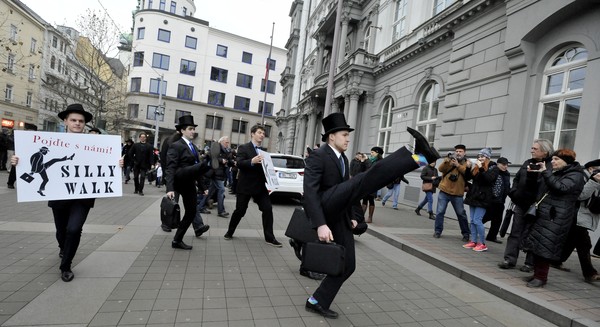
<point x="57" y="166"/>
<point x="269" y="170"/>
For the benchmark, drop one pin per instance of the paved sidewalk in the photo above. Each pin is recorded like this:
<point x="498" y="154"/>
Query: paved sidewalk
<point x="127" y="274"/>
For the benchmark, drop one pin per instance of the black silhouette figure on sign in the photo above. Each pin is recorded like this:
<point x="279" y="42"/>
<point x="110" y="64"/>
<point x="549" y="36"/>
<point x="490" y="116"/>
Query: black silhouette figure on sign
<point x="38" y="166"/>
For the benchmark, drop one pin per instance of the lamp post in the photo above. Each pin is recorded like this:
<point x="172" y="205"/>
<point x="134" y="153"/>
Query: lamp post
<point x="213" y="127"/>
<point x="239" y="132"/>
<point x="157" y="111"/>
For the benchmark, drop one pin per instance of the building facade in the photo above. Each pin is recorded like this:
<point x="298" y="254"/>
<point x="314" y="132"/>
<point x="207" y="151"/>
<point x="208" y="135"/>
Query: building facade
<point x="217" y="77"/>
<point x="482" y="73"/>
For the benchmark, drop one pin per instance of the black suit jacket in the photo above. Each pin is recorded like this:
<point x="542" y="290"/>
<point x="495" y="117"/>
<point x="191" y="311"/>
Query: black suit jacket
<point x="179" y="156"/>
<point x="323" y="171"/>
<point x="251" y="178"/>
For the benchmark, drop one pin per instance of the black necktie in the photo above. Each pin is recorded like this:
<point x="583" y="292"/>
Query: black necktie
<point x="193" y="148"/>
<point x="342" y="165"/>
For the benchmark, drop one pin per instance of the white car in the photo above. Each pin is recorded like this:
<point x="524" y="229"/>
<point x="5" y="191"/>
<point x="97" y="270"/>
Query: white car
<point x="290" y="173"/>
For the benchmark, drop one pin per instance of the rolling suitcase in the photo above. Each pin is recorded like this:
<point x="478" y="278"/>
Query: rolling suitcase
<point x="170" y="214"/>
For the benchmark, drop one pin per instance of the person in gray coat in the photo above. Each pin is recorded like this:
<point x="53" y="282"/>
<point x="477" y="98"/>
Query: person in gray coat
<point x="556" y="209"/>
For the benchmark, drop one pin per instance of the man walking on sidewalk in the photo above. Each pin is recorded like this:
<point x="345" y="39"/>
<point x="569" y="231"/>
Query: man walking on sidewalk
<point x="142" y="156"/>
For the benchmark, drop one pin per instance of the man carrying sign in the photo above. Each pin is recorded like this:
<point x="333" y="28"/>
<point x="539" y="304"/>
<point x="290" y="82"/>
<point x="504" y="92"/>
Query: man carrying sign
<point x="70" y="215"/>
<point x="251" y="185"/>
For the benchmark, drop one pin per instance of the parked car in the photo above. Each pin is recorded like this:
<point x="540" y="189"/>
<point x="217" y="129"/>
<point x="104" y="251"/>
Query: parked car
<point x="290" y="173"/>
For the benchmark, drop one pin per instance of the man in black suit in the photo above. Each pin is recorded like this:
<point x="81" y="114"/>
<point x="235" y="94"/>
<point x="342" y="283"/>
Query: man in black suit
<point x="331" y="198"/>
<point x="184" y="170"/>
<point x="251" y="185"/>
<point x="142" y="157"/>
<point x="70" y="215"/>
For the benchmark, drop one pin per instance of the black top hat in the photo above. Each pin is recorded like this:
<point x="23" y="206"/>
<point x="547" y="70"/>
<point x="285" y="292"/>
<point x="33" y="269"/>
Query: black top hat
<point x="184" y="121"/>
<point x="335" y="122"/>
<point x="78" y="109"/>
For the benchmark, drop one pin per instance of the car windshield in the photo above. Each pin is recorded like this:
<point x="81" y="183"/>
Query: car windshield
<point x="288" y="162"/>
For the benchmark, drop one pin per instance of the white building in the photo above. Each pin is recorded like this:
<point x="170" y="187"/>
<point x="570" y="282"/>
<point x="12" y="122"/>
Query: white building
<point x="213" y="75"/>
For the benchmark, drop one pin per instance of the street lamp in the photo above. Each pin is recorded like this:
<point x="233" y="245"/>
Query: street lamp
<point x="158" y="111"/>
<point x="213" y="127"/>
<point x="239" y="131"/>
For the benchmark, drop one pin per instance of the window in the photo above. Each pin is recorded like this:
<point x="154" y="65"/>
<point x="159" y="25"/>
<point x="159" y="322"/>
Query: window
<point x="247" y="57"/>
<point x="367" y="38"/>
<point x="62" y="46"/>
<point x="268" y="110"/>
<point x="216" y="98"/>
<point x="272" y="64"/>
<point x="153" y="112"/>
<point x="428" y="111"/>
<point x="8" y="93"/>
<point x="241" y="103"/>
<point x="29" y="99"/>
<point x="385" y="124"/>
<point x="136" y="84"/>
<point x="132" y="110"/>
<point x="173" y="7"/>
<point x="184" y="11"/>
<point x="270" y="86"/>
<point x="31" y="72"/>
<point x="60" y="66"/>
<point x="221" y="51"/>
<point x="50" y="126"/>
<point x="440" y="5"/>
<point x="562" y="91"/>
<point x="190" y="42"/>
<point x="267" y="131"/>
<point x="399" y="27"/>
<point x="164" y="35"/>
<point x="10" y="64"/>
<point x="54" y="41"/>
<point x="244" y="80"/>
<point x="141" y="32"/>
<point x="239" y="126"/>
<point x="187" y="67"/>
<point x="160" y="61"/>
<point x="180" y="113"/>
<point x="149" y="4"/>
<point x="138" y="59"/>
<point x="33" y="45"/>
<point x="162" y="4"/>
<point x="218" y="75"/>
<point x="214" y="122"/>
<point x="154" y="86"/>
<point x="13" y="33"/>
<point x="185" y="92"/>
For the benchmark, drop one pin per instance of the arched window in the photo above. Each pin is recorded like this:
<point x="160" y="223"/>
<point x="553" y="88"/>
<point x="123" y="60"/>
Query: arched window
<point x="52" y="62"/>
<point x="428" y="110"/>
<point x="385" y="124"/>
<point x="560" y="99"/>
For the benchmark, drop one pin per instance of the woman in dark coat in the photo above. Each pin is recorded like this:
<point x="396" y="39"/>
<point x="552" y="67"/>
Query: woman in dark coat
<point x="429" y="174"/>
<point x="556" y="210"/>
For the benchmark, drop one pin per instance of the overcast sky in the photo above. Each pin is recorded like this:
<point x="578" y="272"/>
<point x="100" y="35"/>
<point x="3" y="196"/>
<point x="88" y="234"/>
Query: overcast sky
<point x="248" y="18"/>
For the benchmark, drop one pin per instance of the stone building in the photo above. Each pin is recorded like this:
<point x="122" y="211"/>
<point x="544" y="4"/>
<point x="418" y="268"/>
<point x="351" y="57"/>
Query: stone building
<point x="484" y="73"/>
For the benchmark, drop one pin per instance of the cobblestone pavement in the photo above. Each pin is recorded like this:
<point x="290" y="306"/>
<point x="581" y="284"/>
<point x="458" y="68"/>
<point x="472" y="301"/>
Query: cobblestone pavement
<point x="126" y="273"/>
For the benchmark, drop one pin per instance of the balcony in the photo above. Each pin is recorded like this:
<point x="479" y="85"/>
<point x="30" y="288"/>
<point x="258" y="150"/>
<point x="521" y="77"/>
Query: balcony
<point x="360" y="57"/>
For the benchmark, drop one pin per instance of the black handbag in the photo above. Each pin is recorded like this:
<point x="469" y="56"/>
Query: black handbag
<point x="299" y="228"/>
<point x="325" y="258"/>
<point x="170" y="214"/>
<point x="507" y="218"/>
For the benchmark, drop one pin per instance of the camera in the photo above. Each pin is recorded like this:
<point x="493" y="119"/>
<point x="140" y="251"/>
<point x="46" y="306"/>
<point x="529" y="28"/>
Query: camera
<point x="594" y="172"/>
<point x="452" y="155"/>
<point x="534" y="166"/>
<point x="453" y="177"/>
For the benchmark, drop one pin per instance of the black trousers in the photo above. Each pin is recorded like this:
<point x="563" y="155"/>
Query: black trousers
<point x="185" y="184"/>
<point x="69" y="220"/>
<point x="139" y="178"/>
<point x="580" y="239"/>
<point x="340" y="197"/>
<point x="521" y="226"/>
<point x="12" y="176"/>
<point x="494" y="214"/>
<point x="263" y="201"/>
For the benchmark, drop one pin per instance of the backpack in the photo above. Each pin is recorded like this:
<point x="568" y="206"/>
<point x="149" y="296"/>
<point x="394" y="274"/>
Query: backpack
<point x="593" y="203"/>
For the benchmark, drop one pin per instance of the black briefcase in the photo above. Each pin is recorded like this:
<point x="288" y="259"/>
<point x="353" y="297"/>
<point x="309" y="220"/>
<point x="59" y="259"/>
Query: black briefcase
<point x="299" y="228"/>
<point x="26" y="177"/>
<point x="170" y="214"/>
<point x="325" y="258"/>
<point x="507" y="219"/>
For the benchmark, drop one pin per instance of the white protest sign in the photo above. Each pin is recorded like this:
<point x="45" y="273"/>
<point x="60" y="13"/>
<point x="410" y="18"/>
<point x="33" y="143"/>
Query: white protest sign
<point x="61" y="166"/>
<point x="269" y="170"/>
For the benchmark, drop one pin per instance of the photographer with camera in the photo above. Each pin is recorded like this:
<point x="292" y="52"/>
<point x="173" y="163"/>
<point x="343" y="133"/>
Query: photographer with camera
<point x="455" y="171"/>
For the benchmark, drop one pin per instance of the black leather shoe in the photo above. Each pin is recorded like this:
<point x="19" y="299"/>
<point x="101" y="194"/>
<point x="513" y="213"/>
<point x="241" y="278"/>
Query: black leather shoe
<point x="11" y="186"/>
<point x="536" y="283"/>
<point x="141" y="193"/>
<point x="526" y="268"/>
<point x="165" y="228"/>
<point x="506" y="265"/>
<point x="67" y="276"/>
<point x="422" y="146"/>
<point x="228" y="236"/>
<point x="418" y="211"/>
<point x="296" y="248"/>
<point x="436" y="235"/>
<point x="274" y="243"/>
<point x="318" y="309"/>
<point x="495" y="240"/>
<point x="180" y="245"/>
<point x="527" y="279"/>
<point x="205" y="211"/>
<point x="466" y="238"/>
<point x="201" y="230"/>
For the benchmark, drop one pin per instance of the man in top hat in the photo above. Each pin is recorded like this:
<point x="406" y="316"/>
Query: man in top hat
<point x="70" y="215"/>
<point x="331" y="198"/>
<point x="183" y="170"/>
<point x="251" y="185"/>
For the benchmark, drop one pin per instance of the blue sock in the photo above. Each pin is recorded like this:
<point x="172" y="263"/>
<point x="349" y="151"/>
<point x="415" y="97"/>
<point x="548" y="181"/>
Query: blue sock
<point x="420" y="159"/>
<point x="312" y="300"/>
